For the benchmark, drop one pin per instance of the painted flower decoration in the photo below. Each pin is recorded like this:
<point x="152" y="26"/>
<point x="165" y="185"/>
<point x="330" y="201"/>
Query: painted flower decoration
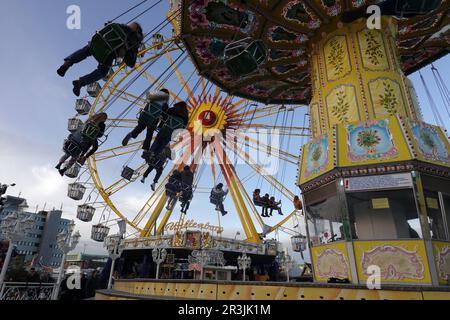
<point x="317" y="153"/>
<point x="368" y="139"/>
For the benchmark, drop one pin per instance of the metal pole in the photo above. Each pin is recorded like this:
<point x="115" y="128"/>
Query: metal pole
<point x="6" y="263"/>
<point x="201" y="272"/>
<point x="58" y="283"/>
<point x="243" y="275"/>
<point x="157" y="271"/>
<point x="111" y="274"/>
<point x="287" y="274"/>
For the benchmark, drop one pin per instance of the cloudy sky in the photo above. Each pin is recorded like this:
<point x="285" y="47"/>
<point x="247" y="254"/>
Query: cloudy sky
<point x="36" y="103"/>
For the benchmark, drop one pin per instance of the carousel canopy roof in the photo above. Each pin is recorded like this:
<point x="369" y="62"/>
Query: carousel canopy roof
<point x="286" y="27"/>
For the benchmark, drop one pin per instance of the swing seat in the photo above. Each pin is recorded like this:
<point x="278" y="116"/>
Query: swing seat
<point x="244" y="56"/>
<point x="72" y="147"/>
<point x="172" y="188"/>
<point x="127" y="173"/>
<point x="215" y="199"/>
<point x="150" y="115"/>
<point x="90" y="132"/>
<point x="258" y="203"/>
<point x="108" y="41"/>
<point x="187" y="194"/>
<point x="172" y="123"/>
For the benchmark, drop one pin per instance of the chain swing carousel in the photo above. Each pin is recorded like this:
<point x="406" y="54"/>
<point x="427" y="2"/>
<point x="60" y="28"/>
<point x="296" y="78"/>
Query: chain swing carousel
<point x="374" y="177"/>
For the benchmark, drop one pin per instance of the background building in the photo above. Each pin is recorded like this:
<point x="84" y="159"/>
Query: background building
<point x="39" y="245"/>
<point x="86" y="261"/>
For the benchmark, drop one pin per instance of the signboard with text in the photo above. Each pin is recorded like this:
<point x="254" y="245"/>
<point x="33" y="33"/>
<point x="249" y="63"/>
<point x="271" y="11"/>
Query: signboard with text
<point x="380" y="182"/>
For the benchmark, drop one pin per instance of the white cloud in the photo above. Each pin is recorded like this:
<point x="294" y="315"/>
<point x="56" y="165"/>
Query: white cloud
<point x="48" y="181"/>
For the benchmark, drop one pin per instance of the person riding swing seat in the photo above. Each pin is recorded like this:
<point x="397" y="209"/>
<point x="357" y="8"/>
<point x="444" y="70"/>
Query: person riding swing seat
<point x="187" y="180"/>
<point x="149" y="118"/>
<point x="217" y="197"/>
<point x="82" y="143"/>
<point x="157" y="163"/>
<point x="274" y="205"/>
<point x="257" y="200"/>
<point x="177" y="118"/>
<point x="173" y="187"/>
<point x="114" y="41"/>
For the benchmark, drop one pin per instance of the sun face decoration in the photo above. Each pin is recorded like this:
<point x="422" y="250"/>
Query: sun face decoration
<point x="213" y="112"/>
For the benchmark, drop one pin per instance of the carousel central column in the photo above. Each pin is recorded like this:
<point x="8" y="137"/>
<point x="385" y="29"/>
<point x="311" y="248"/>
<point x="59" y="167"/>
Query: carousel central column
<point x="356" y="76"/>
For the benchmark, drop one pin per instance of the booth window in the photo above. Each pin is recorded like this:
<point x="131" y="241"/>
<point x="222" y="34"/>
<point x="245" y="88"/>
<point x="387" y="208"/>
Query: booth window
<point x="323" y="214"/>
<point x="438" y="206"/>
<point x="446" y="201"/>
<point x="435" y="215"/>
<point x="387" y="215"/>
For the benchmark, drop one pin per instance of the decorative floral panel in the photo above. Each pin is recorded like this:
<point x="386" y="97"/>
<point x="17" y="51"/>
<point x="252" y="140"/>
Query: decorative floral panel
<point x="342" y="105"/>
<point x="336" y="57"/>
<point x="317" y="156"/>
<point x="370" y="140"/>
<point x="430" y="143"/>
<point x="373" y="50"/>
<point x="386" y="98"/>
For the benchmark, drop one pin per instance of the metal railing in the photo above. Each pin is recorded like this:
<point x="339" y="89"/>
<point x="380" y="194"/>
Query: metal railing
<point x="26" y="291"/>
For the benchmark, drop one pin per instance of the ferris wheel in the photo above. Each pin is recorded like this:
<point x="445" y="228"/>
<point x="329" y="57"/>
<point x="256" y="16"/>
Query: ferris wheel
<point x="223" y="130"/>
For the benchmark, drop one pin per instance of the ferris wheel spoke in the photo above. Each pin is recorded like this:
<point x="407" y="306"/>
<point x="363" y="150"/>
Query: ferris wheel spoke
<point x="247" y="198"/>
<point x="124" y="95"/>
<point x="121" y="123"/>
<point x="270" y="111"/>
<point x="155" y="196"/>
<point x="269" y="150"/>
<point x="122" y="183"/>
<point x="117" y="151"/>
<point x="180" y="77"/>
<point x="154" y="82"/>
<point x="129" y="97"/>
<point x="268" y="177"/>
<point x="255" y="111"/>
<point x="240" y="102"/>
<point x="282" y="222"/>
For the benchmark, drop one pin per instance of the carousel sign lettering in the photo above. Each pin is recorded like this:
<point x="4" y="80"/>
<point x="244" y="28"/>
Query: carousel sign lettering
<point x="191" y="224"/>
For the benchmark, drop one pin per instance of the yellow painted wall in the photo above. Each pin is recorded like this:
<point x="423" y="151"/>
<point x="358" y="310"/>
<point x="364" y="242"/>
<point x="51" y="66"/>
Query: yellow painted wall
<point x="399" y="261"/>
<point x="331" y="260"/>
<point x="357" y="76"/>
<point x="441" y="252"/>
<point x="398" y="140"/>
